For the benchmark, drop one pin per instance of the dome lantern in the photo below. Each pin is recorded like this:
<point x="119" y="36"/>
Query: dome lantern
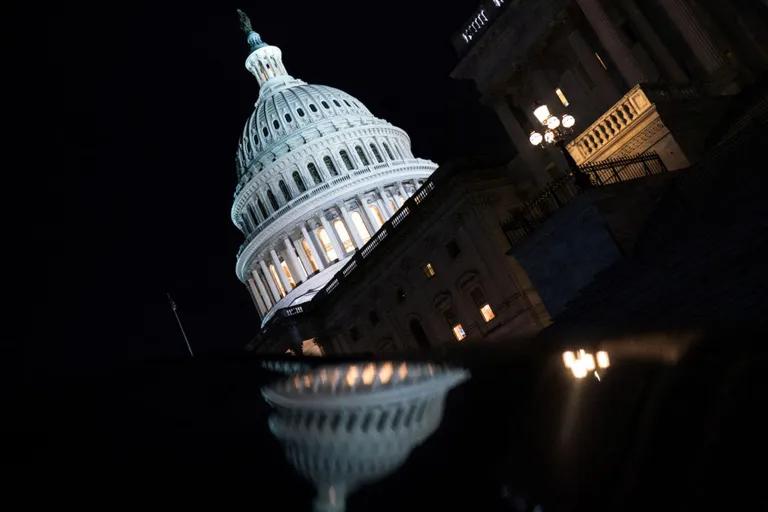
<point x="265" y="61"/>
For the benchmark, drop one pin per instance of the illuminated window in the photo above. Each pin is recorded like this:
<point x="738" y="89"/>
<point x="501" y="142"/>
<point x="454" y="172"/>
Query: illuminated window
<point x="458" y="332"/>
<point x="357" y="220"/>
<point x="284" y="190"/>
<point x="561" y="95"/>
<point x="312" y="168"/>
<point x="310" y="255"/>
<point x="362" y="156"/>
<point x="331" y="167"/>
<point x="346" y="241"/>
<point x="389" y="152"/>
<point x="392" y="205"/>
<point x="376" y="153"/>
<point x="277" y="281"/>
<point x="287" y="273"/>
<point x="347" y="161"/>
<point x="299" y="182"/>
<point x="311" y="348"/>
<point x="600" y="60"/>
<point x="429" y="270"/>
<point x="325" y="240"/>
<point x="487" y="312"/>
<point x="377" y="213"/>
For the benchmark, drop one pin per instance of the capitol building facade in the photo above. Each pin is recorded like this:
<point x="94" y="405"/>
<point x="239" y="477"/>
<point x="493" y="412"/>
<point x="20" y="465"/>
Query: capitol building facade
<point x="319" y="175"/>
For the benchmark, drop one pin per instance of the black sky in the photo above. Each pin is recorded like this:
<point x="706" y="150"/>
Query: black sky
<point x="153" y="100"/>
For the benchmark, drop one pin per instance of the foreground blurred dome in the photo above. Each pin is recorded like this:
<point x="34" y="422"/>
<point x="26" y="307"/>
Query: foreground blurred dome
<point x="318" y="175"/>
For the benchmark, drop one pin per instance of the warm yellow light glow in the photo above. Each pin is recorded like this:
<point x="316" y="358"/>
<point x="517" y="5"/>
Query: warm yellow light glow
<point x="402" y="372"/>
<point x="429" y="270"/>
<point x="288" y="274"/>
<point x="341" y="230"/>
<point x="307" y="381"/>
<point x="541" y="113"/>
<point x="561" y="95"/>
<point x="385" y="374"/>
<point x="311" y="348"/>
<point x="377" y="214"/>
<point x="589" y="362"/>
<point x="568" y="358"/>
<point x="310" y="256"/>
<point x="352" y="374"/>
<point x="458" y="332"/>
<point x="277" y="281"/>
<point x="357" y="220"/>
<point x="603" y="361"/>
<point x="487" y="312"/>
<point x="578" y="369"/>
<point x="369" y="373"/>
<point x="325" y="239"/>
<point x="536" y="138"/>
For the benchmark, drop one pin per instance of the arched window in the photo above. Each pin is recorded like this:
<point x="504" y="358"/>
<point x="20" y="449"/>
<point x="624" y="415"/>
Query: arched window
<point x="336" y="102"/>
<point x="325" y="104"/>
<point x="252" y="213"/>
<point x="312" y="107"/>
<point x="329" y="164"/>
<point x="272" y="200"/>
<point x="362" y="156"/>
<point x="300" y="111"/>
<point x="345" y="158"/>
<point x="265" y="131"/>
<point x="262" y="209"/>
<point x="299" y="182"/>
<point x="389" y="153"/>
<point x="376" y="153"/>
<point x="284" y="190"/>
<point x="312" y="168"/>
<point x="276" y="124"/>
<point x="288" y="118"/>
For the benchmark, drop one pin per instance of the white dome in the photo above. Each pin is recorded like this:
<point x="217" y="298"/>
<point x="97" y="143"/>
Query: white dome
<point x="318" y="175"/>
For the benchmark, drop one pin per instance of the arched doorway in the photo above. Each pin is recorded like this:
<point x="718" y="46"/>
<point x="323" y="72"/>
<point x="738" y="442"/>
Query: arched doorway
<point x="418" y="333"/>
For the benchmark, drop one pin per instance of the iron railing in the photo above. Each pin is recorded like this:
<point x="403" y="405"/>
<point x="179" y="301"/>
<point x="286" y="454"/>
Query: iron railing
<point x="523" y="221"/>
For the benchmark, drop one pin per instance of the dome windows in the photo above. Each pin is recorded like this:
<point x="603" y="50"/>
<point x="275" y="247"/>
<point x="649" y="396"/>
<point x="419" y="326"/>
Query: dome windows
<point x="330" y="165"/>
<point x="312" y="168"/>
<point x="300" y="111"/>
<point x="336" y="102"/>
<point x="262" y="209"/>
<point x="362" y="156"/>
<point x="312" y="107"/>
<point x="347" y="161"/>
<point x="272" y="200"/>
<point x="325" y="104"/>
<point x="389" y="152"/>
<point x="347" y="103"/>
<point x="285" y="191"/>
<point x="276" y="124"/>
<point x="299" y="181"/>
<point x="376" y="153"/>
<point x="288" y="118"/>
<point x="265" y="131"/>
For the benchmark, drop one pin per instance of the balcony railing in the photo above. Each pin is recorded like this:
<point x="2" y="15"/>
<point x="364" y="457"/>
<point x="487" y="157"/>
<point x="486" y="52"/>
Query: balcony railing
<point x="524" y="220"/>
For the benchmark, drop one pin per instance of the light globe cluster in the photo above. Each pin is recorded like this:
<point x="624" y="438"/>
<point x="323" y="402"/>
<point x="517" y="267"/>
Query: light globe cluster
<point x="318" y="175"/>
<point x="556" y="127"/>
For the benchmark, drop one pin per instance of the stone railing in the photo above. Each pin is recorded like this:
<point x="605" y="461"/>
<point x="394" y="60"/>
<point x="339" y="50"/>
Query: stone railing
<point x="611" y="126"/>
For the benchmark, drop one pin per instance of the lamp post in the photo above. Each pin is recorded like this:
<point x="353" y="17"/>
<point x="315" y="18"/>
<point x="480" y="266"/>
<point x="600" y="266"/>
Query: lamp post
<point x="555" y="131"/>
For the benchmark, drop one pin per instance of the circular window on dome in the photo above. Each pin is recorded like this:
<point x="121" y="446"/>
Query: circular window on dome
<point x="265" y="131"/>
<point x="300" y="111"/>
<point x="288" y="118"/>
<point x="325" y="104"/>
<point x="336" y="102"/>
<point x="312" y="107"/>
<point x="276" y="124"/>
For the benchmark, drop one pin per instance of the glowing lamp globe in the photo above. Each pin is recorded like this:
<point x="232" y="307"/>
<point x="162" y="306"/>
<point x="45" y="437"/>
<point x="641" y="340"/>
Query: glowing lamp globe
<point x="549" y="136"/>
<point x="568" y="121"/>
<point x="536" y="138"/>
<point x="553" y="122"/>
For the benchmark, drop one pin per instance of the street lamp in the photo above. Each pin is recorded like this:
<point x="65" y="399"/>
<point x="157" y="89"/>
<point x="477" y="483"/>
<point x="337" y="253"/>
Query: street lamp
<point x="555" y="131"/>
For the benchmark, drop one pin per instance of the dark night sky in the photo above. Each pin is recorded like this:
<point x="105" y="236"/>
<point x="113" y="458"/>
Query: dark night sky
<point x="154" y="100"/>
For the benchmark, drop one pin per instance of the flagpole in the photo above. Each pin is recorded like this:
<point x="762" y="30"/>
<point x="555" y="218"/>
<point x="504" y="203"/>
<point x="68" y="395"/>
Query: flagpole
<point x="173" y="308"/>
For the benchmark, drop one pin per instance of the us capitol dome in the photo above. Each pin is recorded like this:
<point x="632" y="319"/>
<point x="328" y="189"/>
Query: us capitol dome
<point x="318" y="175"/>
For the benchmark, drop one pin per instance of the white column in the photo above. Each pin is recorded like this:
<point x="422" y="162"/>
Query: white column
<point x="609" y="36"/>
<point x="695" y="34"/>
<point x="368" y="214"/>
<point x="351" y="229"/>
<point x="303" y="257"/>
<point x="256" y="297"/>
<point x="262" y="289"/>
<point x="386" y="209"/>
<point x="401" y="188"/>
<point x="319" y="258"/>
<point x="270" y="281"/>
<point x="279" y="270"/>
<point x="335" y="242"/>
<point x="299" y="274"/>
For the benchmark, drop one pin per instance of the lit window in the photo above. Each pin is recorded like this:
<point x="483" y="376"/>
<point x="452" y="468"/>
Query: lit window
<point x="429" y="270"/>
<point x="377" y="213"/>
<point x="277" y="281"/>
<point x="458" y="332"/>
<point x="311" y="348"/>
<point x="561" y="95"/>
<point x="330" y="252"/>
<point x="600" y="60"/>
<point x="487" y="313"/>
<point x="287" y="272"/>
<point x="310" y="256"/>
<point x="389" y="153"/>
<point x="346" y="241"/>
<point x="357" y="220"/>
